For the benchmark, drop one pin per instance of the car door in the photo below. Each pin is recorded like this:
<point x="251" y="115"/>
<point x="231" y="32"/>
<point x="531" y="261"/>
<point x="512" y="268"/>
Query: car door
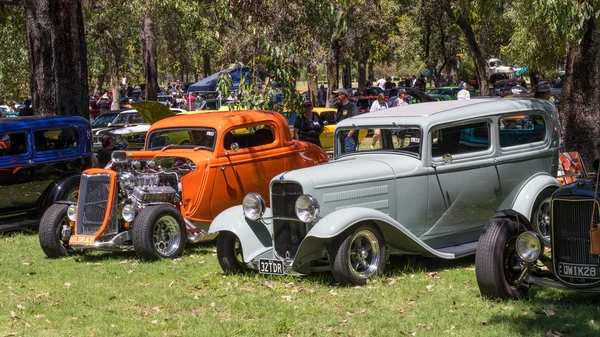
<point x="260" y="157"/>
<point x="19" y="192"/>
<point x="464" y="185"/>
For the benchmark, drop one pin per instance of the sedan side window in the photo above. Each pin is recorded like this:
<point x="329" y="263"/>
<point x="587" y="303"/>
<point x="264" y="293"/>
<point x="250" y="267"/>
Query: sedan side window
<point x="56" y="139"/>
<point x="521" y="129"/>
<point x="461" y="139"/>
<point x="13" y="144"/>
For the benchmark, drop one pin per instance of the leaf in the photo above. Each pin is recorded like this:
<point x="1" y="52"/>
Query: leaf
<point x="433" y="274"/>
<point x="154" y="322"/>
<point x="124" y="261"/>
<point x="332" y="292"/>
<point x="287" y="298"/>
<point x="247" y="289"/>
<point x="548" y="312"/>
<point x="13" y="315"/>
<point x="67" y="285"/>
<point x="430" y="287"/>
<point x="268" y="285"/>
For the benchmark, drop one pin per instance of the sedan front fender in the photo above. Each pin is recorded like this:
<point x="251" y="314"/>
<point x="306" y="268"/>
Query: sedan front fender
<point x="396" y="235"/>
<point x="254" y="236"/>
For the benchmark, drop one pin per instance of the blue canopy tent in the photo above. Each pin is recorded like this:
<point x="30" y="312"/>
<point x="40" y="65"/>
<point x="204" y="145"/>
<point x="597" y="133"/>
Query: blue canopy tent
<point x="237" y="74"/>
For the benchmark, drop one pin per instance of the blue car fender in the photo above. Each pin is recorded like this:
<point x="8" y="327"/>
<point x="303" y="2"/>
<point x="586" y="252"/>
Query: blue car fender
<point x="255" y="236"/>
<point x="334" y="224"/>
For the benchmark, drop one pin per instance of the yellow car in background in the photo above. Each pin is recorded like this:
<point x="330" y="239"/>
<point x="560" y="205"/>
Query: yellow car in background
<point x="328" y="117"/>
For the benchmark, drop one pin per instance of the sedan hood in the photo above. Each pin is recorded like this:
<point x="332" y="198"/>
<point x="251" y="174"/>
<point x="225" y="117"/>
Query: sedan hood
<point x="153" y="111"/>
<point x="356" y="169"/>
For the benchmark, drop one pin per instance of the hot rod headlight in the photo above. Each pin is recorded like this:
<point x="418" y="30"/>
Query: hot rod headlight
<point x="72" y="212"/>
<point x="254" y="206"/>
<point x="128" y="213"/>
<point x="529" y="246"/>
<point x="307" y="208"/>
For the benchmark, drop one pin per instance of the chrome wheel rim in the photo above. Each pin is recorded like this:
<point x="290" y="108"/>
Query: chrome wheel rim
<point x="166" y="235"/>
<point x="364" y="254"/>
<point x="542" y="220"/>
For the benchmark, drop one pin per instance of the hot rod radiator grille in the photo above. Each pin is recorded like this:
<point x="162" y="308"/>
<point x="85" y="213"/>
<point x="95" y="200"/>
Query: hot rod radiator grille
<point x="287" y="235"/>
<point x="571" y="237"/>
<point x="93" y="204"/>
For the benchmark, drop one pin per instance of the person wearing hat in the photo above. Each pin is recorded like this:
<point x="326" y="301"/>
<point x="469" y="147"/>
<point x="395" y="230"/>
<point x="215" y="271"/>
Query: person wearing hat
<point x="346" y="109"/>
<point x="103" y="103"/>
<point x="464" y="92"/>
<point x="401" y="101"/>
<point x="542" y="90"/>
<point x="308" y="126"/>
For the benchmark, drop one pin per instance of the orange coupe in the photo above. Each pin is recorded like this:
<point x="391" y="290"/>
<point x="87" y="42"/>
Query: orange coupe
<point x="193" y="168"/>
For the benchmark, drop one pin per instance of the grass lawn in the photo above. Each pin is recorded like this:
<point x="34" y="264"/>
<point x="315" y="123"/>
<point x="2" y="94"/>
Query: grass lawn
<point x="112" y="294"/>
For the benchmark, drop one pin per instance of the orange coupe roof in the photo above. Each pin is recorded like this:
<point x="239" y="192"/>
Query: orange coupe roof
<point x="220" y="120"/>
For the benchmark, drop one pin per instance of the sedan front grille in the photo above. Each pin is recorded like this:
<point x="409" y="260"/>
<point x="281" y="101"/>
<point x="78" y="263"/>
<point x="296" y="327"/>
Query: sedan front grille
<point x="287" y="234"/>
<point x="571" y="237"/>
<point x="95" y="202"/>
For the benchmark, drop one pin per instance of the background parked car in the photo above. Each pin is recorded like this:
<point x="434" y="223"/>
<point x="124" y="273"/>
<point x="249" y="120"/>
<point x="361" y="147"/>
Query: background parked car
<point x="41" y="159"/>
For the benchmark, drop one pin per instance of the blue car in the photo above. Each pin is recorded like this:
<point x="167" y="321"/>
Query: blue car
<point x="41" y="159"/>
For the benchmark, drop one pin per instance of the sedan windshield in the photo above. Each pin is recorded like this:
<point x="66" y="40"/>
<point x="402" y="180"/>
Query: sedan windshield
<point x="103" y="120"/>
<point x="197" y="139"/>
<point x="388" y="138"/>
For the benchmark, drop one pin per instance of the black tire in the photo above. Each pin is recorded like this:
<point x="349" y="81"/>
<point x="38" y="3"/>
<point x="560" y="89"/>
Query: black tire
<point x="229" y="253"/>
<point x="541" y="222"/>
<point x="496" y="261"/>
<point x="349" y="264"/>
<point x="159" y="233"/>
<point x="49" y="232"/>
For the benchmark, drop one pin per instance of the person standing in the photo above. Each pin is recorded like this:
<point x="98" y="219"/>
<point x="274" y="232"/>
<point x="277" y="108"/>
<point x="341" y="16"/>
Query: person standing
<point x="346" y="109"/>
<point x="27" y="110"/>
<point x="463" y="93"/>
<point x="322" y="96"/>
<point x="379" y="104"/>
<point x="401" y="101"/>
<point x="381" y="83"/>
<point x="103" y="103"/>
<point x="309" y="126"/>
<point x="108" y="146"/>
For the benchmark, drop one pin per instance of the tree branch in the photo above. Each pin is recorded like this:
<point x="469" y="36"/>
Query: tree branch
<point x="10" y="2"/>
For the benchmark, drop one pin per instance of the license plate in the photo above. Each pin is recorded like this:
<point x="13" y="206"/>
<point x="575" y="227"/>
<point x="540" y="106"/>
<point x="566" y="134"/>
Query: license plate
<point x="81" y="240"/>
<point x="578" y="270"/>
<point x="270" y="267"/>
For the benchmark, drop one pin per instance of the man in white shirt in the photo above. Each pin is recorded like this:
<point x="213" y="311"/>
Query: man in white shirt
<point x="464" y="92"/>
<point x="379" y="104"/>
<point x="381" y="82"/>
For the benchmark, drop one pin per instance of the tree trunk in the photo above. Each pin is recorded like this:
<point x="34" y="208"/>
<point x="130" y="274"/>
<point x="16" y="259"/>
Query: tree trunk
<point x="114" y="85"/>
<point x="370" y="72"/>
<point x="474" y="48"/>
<point x="206" y="58"/>
<point x="149" y="55"/>
<point x="58" y="59"/>
<point x="580" y="118"/>
<point x="332" y="70"/>
<point x="100" y="82"/>
<point x="347" y="76"/>
<point x="311" y="78"/>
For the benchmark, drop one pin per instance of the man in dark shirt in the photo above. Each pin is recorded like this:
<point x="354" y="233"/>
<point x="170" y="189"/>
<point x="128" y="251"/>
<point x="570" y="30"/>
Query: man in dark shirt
<point x="108" y="146"/>
<point x="27" y="110"/>
<point x="345" y="110"/>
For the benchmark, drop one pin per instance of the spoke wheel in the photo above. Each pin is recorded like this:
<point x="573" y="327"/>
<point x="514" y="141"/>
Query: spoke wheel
<point x="159" y="233"/>
<point x="497" y="265"/>
<point x="358" y="254"/>
<point x="167" y="235"/>
<point x="540" y="217"/>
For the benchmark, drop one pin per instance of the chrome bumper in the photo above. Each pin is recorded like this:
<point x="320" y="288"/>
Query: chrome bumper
<point x="114" y="244"/>
<point x="542" y="281"/>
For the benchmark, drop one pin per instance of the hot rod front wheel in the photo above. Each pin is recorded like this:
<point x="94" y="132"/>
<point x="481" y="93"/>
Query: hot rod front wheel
<point x="159" y="233"/>
<point x="51" y="226"/>
<point x="229" y="253"/>
<point x="358" y="255"/>
<point x="497" y="264"/>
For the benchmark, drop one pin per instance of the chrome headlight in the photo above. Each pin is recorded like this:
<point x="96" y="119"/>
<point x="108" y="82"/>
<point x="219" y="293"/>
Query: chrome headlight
<point x="72" y="212"/>
<point x="529" y="246"/>
<point x="307" y="208"/>
<point x="128" y="213"/>
<point x="253" y="206"/>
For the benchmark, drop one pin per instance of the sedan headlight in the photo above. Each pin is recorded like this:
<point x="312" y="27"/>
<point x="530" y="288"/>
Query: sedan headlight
<point x="253" y="206"/>
<point x="72" y="212"/>
<point x="128" y="213"/>
<point x="307" y="208"/>
<point x="529" y="246"/>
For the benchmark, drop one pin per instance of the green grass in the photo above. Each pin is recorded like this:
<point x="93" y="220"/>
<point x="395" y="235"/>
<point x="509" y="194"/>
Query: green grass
<point x="113" y="294"/>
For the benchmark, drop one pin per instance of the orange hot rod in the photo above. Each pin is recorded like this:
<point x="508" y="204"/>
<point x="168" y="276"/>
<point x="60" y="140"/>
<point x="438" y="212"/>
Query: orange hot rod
<point x="193" y="167"/>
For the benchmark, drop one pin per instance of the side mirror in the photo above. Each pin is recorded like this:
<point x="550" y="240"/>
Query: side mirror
<point x="447" y="159"/>
<point x="235" y="147"/>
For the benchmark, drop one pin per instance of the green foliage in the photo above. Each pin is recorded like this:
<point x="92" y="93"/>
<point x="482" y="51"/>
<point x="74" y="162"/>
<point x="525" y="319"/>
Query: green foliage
<point x="14" y="61"/>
